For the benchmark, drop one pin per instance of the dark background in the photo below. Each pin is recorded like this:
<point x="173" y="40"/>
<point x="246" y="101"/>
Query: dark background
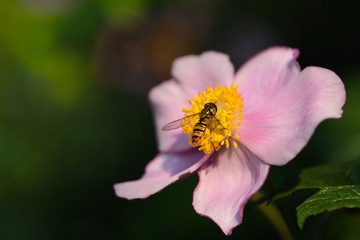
<point x="74" y="77"/>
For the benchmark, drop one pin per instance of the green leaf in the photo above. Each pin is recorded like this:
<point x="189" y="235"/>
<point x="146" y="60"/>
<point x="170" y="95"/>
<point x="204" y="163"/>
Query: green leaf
<point x="332" y="187"/>
<point x="327" y="199"/>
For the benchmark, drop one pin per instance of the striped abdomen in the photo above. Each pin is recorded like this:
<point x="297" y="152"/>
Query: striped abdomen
<point x="199" y="130"/>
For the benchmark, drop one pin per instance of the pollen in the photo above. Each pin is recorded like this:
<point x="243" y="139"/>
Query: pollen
<point x="220" y="128"/>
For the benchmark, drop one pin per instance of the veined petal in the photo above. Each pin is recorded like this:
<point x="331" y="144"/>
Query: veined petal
<point x="160" y="172"/>
<point x="265" y="74"/>
<point x="196" y="73"/>
<point x="167" y="100"/>
<point x="227" y="181"/>
<point x="282" y="127"/>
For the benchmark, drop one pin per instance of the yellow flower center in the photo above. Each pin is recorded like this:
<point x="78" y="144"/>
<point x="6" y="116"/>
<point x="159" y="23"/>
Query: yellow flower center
<point x="219" y="127"/>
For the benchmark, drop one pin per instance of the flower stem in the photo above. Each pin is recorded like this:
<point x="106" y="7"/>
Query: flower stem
<point x="272" y="213"/>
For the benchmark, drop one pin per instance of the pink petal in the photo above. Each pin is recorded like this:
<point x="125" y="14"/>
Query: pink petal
<point x="262" y="76"/>
<point x="227" y="181"/>
<point x="197" y="72"/>
<point x="160" y="172"/>
<point x="167" y="100"/>
<point x="282" y="127"/>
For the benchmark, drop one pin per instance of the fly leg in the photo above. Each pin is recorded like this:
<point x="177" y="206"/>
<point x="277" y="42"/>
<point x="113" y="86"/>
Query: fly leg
<point x="219" y="145"/>
<point x="213" y="146"/>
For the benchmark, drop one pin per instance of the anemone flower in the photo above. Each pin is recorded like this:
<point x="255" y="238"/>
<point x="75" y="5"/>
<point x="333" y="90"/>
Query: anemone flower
<point x="264" y="114"/>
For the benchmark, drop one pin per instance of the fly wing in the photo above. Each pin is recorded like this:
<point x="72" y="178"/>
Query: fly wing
<point x="177" y="123"/>
<point x="213" y="122"/>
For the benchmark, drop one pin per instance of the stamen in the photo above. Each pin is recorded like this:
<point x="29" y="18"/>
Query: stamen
<point x="220" y="127"/>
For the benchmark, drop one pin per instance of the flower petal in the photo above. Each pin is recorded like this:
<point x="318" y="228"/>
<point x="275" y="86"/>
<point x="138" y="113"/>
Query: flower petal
<point x="167" y="100"/>
<point x="227" y="181"/>
<point x="283" y="126"/>
<point x="195" y="73"/>
<point x="160" y="172"/>
<point x="263" y="75"/>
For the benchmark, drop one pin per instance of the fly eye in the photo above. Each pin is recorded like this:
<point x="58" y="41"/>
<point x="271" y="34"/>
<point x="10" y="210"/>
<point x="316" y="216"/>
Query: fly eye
<point x="213" y="105"/>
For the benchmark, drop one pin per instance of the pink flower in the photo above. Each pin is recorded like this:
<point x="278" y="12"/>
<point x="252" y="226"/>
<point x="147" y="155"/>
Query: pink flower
<point x="275" y="110"/>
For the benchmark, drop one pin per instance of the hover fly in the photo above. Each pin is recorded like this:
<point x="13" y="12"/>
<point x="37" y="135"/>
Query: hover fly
<point x="206" y="115"/>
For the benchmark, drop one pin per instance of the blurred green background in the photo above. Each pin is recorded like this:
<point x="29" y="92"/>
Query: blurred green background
<point x="74" y="77"/>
